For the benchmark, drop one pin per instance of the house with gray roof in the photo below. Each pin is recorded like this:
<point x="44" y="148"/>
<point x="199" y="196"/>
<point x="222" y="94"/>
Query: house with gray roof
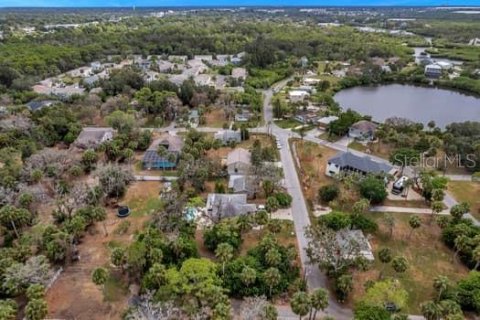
<point x="93" y="137"/>
<point x="362" y="130"/>
<point x="238" y="162"/>
<point x="241" y="184"/>
<point x="348" y="162"/>
<point x="228" y="136"/>
<point x="221" y="206"/>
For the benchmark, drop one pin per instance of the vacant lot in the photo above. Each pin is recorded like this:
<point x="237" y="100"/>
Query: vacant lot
<point x="215" y="118"/>
<point x="427" y="258"/>
<point x="74" y="296"/>
<point x="466" y="191"/>
<point x="313" y="161"/>
<point x="265" y="140"/>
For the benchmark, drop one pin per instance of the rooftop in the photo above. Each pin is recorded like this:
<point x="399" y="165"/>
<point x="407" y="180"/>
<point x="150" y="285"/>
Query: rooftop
<point x="365" y="163"/>
<point x="239" y="155"/>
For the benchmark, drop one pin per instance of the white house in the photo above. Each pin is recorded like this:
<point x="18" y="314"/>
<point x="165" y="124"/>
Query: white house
<point x="297" y="95"/>
<point x="433" y="70"/>
<point x="325" y="121"/>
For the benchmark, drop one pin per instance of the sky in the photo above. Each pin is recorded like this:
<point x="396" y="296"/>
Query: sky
<point x="160" y="3"/>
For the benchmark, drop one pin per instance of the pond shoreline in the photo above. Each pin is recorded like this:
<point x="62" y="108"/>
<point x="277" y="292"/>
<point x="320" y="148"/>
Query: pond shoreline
<point x="413" y="101"/>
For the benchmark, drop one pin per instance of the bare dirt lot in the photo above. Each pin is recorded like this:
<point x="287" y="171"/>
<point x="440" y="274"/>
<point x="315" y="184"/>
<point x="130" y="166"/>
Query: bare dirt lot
<point x="73" y="295"/>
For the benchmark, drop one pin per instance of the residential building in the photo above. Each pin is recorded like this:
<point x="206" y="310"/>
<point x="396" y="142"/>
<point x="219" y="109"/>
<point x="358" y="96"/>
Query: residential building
<point x="221" y="206"/>
<point x="348" y="162"/>
<point x="39" y="104"/>
<point x="241" y="184"/>
<point x="297" y="95"/>
<point x="362" y="130"/>
<point x="239" y="73"/>
<point x="93" y="137"/>
<point x="173" y="145"/>
<point x="239" y="162"/>
<point x="325" y="121"/>
<point x="227" y="136"/>
<point x="306" y="117"/>
<point x="433" y="70"/>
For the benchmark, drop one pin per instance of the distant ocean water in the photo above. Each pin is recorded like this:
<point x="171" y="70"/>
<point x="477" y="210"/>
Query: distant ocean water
<point x="180" y="3"/>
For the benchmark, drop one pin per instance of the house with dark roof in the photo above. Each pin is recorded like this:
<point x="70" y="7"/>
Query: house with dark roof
<point x="171" y="147"/>
<point x="362" y="130"/>
<point x="221" y="206"/>
<point x="347" y="162"/>
<point x="39" y="104"/>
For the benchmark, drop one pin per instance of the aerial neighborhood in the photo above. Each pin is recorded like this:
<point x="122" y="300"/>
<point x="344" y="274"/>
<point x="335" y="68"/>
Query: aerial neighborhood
<point x="240" y="163"/>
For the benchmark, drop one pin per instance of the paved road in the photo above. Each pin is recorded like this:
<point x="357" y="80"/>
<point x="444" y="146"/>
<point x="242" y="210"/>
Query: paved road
<point x="314" y="277"/>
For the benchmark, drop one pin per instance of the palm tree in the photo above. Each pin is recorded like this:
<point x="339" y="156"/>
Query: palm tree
<point x="390" y="223"/>
<point x="272" y="278"/>
<point x="319" y="301"/>
<point x="440" y="283"/>
<point x="476" y="256"/>
<point x="407" y="185"/>
<point x="400" y="264"/>
<point x="458" y="210"/>
<point x="248" y="276"/>
<point x="301" y="304"/>
<point x="450" y="308"/>
<point x="461" y="243"/>
<point x="431" y="310"/>
<point x="36" y="309"/>
<point x="244" y="222"/>
<point x="273" y="257"/>
<point x="414" y="222"/>
<point x="385" y="257"/>
<point x="224" y="252"/>
<point x="437" y="207"/>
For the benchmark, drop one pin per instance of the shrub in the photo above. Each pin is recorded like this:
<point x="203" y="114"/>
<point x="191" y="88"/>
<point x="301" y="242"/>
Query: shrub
<point x="363" y="223"/>
<point x="336" y="220"/>
<point x="373" y="189"/>
<point x="284" y="199"/>
<point x="328" y="193"/>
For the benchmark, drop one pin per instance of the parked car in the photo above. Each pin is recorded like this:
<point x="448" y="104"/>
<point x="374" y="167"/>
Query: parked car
<point x="399" y="185"/>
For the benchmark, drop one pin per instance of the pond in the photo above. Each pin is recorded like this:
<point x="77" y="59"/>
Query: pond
<point x="420" y="104"/>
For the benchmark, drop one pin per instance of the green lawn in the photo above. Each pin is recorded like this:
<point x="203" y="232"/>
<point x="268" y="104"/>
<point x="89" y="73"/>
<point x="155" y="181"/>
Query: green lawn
<point x="115" y="288"/>
<point x="467" y="191"/>
<point x="287" y="123"/>
<point x="355" y="145"/>
<point x="427" y="257"/>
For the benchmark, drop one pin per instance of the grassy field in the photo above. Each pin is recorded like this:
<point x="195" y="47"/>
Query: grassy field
<point x="215" y="118"/>
<point x="427" y="258"/>
<point x="467" y="191"/>
<point x="143" y="197"/>
<point x="287" y="123"/>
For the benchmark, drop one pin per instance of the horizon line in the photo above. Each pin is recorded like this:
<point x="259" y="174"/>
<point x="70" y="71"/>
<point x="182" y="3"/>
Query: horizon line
<point x="248" y="6"/>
